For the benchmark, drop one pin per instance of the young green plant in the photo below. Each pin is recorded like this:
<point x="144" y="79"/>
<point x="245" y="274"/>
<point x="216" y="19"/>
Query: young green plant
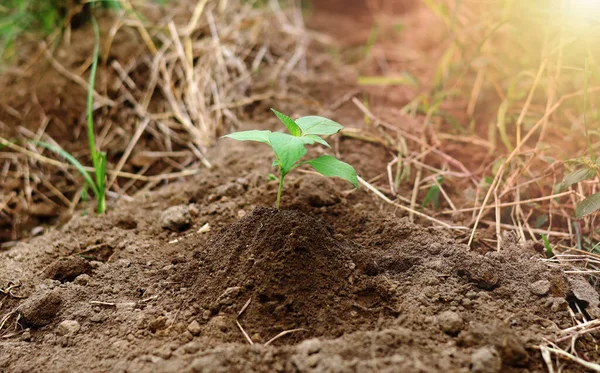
<point x="290" y="148"/>
<point x="98" y="183"/>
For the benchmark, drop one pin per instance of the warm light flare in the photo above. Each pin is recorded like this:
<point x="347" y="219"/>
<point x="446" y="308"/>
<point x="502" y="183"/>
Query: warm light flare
<point x="584" y="10"/>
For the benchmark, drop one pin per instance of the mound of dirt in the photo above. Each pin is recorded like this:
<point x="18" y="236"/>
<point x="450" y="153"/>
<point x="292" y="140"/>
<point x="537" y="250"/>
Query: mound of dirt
<point x="378" y="294"/>
<point x="292" y="270"/>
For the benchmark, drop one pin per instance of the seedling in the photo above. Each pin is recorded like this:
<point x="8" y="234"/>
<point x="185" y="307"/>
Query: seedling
<point x="586" y="168"/>
<point x="290" y="148"/>
<point x="549" y="252"/>
<point x="98" y="158"/>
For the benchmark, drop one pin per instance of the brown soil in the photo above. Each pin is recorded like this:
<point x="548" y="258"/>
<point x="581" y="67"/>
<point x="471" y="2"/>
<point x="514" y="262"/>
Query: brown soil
<point x="183" y="278"/>
<point x="367" y="290"/>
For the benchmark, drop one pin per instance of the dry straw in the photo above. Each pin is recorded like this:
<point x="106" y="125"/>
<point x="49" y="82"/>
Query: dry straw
<point x="203" y="63"/>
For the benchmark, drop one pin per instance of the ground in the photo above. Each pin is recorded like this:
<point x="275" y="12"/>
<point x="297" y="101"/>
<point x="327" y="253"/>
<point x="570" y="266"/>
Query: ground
<point x="204" y="275"/>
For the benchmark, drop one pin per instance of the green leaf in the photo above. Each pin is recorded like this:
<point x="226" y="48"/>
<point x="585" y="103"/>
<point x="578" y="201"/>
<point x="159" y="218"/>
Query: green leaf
<point x="289" y="123"/>
<point x="313" y="125"/>
<point x="576" y="176"/>
<point x="330" y="166"/>
<point x="317" y="139"/>
<point x="253" y="135"/>
<point x="433" y="194"/>
<point x="308" y="140"/>
<point x="589" y="205"/>
<point x="549" y="253"/>
<point x="74" y="162"/>
<point x="288" y="149"/>
<point x="90" y="97"/>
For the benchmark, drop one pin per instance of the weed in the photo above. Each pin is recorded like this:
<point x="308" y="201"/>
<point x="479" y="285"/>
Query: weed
<point x="586" y="168"/>
<point x="97" y="184"/>
<point x="433" y="194"/>
<point x="18" y="16"/>
<point x="547" y="246"/>
<point x="290" y="148"/>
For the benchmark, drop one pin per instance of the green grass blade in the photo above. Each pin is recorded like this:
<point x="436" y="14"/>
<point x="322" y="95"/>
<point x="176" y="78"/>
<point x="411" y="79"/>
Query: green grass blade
<point x="69" y="158"/>
<point x="433" y="194"/>
<point x="549" y="252"/>
<point x="90" y="99"/>
<point x="101" y="180"/>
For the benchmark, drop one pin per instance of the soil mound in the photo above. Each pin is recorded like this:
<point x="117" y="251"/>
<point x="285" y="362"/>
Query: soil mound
<point x="293" y="270"/>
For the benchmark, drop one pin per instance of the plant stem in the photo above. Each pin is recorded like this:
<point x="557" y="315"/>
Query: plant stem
<point x="281" y="176"/>
<point x="101" y="203"/>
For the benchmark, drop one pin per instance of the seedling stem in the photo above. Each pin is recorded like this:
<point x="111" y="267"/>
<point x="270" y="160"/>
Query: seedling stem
<point x="279" y="190"/>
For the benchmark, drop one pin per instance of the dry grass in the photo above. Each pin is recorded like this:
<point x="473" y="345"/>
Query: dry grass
<point x="516" y="87"/>
<point x="197" y="69"/>
<point x="513" y="85"/>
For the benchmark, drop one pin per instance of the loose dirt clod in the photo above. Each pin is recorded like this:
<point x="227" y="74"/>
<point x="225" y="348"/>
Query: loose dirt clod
<point x="40" y="309"/>
<point x="176" y="218"/>
<point x="541" y="287"/>
<point x="486" y="360"/>
<point x="585" y="295"/>
<point x="482" y="274"/>
<point x="68" y="327"/>
<point x="67" y="269"/>
<point x="450" y="322"/>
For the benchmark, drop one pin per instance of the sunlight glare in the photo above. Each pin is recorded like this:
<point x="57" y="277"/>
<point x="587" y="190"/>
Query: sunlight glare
<point x="583" y="9"/>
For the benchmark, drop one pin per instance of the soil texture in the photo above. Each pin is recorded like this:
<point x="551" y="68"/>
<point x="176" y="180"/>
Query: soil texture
<point x="203" y="275"/>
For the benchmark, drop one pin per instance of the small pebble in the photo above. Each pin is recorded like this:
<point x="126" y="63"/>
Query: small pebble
<point x="193" y="209"/>
<point x="194" y="328"/>
<point x="228" y="295"/>
<point x="96" y="264"/>
<point x="82" y="280"/>
<point x="26" y="336"/>
<point x="68" y="327"/>
<point x="157" y="324"/>
<point x="176" y="218"/>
